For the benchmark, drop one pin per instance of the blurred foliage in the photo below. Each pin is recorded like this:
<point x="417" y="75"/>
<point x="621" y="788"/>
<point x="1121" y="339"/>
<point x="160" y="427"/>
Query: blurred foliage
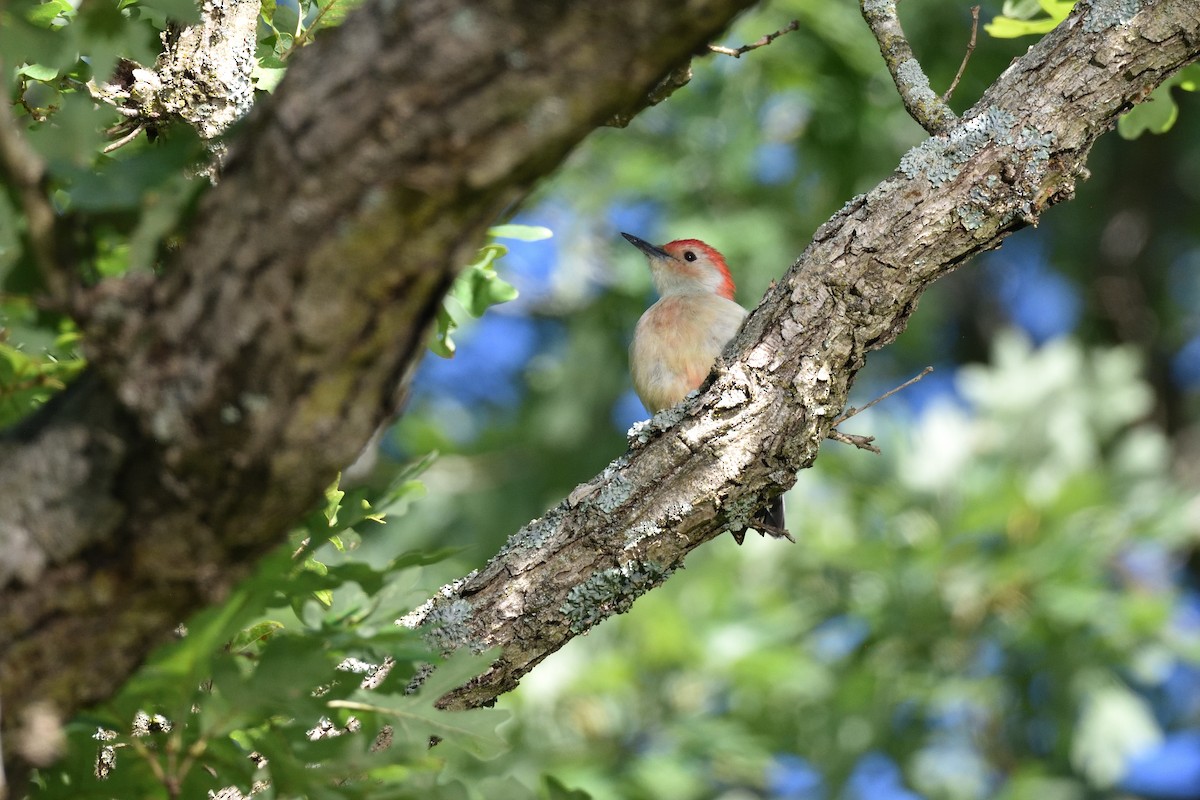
<point x="1156" y="114"/>
<point x="1002" y="605"/>
<point x="1028" y="17"/>
<point x="270" y="689"/>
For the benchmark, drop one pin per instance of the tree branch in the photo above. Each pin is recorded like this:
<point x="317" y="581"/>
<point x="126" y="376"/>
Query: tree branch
<point x="921" y="102"/>
<point x="738" y="52"/>
<point x="24" y="170"/>
<point x="711" y="463"/>
<point x="962" y="67"/>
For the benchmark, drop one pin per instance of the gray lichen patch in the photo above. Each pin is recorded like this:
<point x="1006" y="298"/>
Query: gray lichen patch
<point x="448" y="593"/>
<point x="940" y="158"/>
<point x="446" y="628"/>
<point x="610" y="592"/>
<point x="910" y="73"/>
<point x="614" y="493"/>
<point x="534" y="534"/>
<point x="1107" y="13"/>
<point x="740" y="512"/>
<point x="677" y="511"/>
<point x="971" y="216"/>
<point x="1035" y="144"/>
<point x="640" y="531"/>
<point x="642" y="432"/>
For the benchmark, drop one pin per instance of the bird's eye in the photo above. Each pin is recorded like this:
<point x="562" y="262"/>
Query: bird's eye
<point x="688" y="255"/>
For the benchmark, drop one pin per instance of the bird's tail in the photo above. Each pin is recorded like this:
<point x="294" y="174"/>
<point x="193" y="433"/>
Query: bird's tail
<point x="769" y="522"/>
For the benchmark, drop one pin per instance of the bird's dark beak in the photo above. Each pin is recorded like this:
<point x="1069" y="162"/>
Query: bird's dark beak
<point x="650" y="250"/>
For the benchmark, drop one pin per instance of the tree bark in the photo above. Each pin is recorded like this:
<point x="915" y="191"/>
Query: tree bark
<point x="224" y="397"/>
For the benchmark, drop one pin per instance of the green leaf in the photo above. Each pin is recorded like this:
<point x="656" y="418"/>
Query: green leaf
<point x="255" y="635"/>
<point x="1021" y="9"/>
<point x="1158" y="112"/>
<point x="129" y="181"/>
<point x="39" y="72"/>
<point x="27" y="381"/>
<point x="522" y="233"/>
<point x="45" y="15"/>
<point x="555" y="790"/>
<point x="333" y="13"/>
<point x="266" y="78"/>
<point x="416" y="717"/>
<point x="333" y="501"/>
<point x="1057" y="10"/>
<point x="1189" y="77"/>
<point x="481" y="288"/>
<point x="71" y="143"/>
<point x="1008" y="28"/>
<point x="1020" y="18"/>
<point x="442" y="344"/>
<point x="287" y="21"/>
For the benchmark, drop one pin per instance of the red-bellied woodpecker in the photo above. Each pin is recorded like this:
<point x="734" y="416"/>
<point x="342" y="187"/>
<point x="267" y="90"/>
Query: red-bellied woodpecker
<point x="679" y="338"/>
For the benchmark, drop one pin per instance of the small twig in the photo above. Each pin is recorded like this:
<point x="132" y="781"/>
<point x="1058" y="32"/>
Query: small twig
<point x="921" y="102"/>
<point x="966" y="56"/>
<point x="124" y="140"/>
<point x="738" y="52"/>
<point x="27" y="173"/>
<point x="852" y="411"/>
<point x="676" y="79"/>
<point x="680" y="77"/>
<point x="861" y="442"/>
<point x="858" y="440"/>
<point x="306" y="34"/>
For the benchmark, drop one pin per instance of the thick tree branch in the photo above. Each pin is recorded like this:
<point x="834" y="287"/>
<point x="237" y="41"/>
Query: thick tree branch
<point x="225" y="396"/>
<point x="707" y="466"/>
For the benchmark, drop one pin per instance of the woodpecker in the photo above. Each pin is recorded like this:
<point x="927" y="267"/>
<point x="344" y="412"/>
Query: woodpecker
<point x="678" y="339"/>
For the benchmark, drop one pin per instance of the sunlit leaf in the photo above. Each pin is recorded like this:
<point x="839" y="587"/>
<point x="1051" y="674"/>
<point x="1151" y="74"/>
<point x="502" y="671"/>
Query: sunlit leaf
<point x="523" y="233"/>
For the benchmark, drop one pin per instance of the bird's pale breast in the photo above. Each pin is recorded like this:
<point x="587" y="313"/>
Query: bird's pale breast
<point x="675" y="344"/>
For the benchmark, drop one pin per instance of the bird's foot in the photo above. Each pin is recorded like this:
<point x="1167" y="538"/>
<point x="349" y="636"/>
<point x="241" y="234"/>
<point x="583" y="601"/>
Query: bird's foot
<point x="764" y="529"/>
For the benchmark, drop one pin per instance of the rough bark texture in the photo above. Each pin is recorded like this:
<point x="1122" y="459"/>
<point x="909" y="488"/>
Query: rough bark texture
<point x="202" y="76"/>
<point x="705" y="467"/>
<point x="224" y="397"/>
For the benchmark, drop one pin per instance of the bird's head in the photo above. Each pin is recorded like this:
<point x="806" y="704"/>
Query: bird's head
<point x="686" y="266"/>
